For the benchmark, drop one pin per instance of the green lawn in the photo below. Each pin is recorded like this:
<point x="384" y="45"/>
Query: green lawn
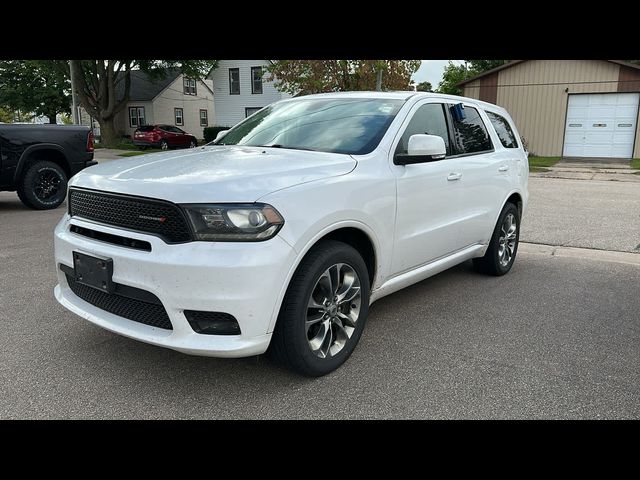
<point x="536" y="162"/>
<point x="635" y="163"/>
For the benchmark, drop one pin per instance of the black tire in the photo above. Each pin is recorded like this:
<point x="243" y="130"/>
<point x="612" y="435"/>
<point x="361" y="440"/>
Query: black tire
<point x="31" y="191"/>
<point x="164" y="145"/>
<point x="289" y="344"/>
<point x="490" y="264"/>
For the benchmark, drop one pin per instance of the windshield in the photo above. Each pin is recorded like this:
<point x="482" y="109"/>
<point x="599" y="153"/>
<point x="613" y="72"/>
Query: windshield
<point x="340" y="125"/>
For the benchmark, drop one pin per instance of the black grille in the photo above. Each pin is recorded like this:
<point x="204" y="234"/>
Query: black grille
<point x="152" y="314"/>
<point x="133" y="213"/>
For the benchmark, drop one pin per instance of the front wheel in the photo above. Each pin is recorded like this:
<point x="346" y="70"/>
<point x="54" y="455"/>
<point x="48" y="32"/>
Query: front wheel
<point x="503" y="246"/>
<point x="324" y="310"/>
<point x="193" y="143"/>
<point x="164" y="145"/>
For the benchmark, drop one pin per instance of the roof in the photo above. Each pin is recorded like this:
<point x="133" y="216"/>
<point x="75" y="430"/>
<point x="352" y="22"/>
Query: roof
<point x="515" y="62"/>
<point x="144" y="88"/>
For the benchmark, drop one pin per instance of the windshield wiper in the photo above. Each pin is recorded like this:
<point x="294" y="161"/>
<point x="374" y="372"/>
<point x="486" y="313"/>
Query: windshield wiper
<point x="277" y="145"/>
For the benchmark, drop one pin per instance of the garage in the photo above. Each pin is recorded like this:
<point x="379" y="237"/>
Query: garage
<point x="601" y="125"/>
<point x="567" y="108"/>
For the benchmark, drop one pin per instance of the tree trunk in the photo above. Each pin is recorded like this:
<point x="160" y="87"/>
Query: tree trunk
<point x="52" y="117"/>
<point x="108" y="135"/>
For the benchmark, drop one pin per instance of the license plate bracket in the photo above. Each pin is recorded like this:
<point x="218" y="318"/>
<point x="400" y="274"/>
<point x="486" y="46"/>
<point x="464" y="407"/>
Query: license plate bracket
<point x="94" y="272"/>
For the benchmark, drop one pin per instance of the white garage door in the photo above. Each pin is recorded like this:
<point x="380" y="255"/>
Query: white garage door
<point x="601" y="125"/>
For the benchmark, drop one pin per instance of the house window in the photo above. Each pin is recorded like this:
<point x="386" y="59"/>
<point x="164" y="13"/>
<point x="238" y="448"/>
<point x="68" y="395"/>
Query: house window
<point x="204" y="118"/>
<point x="256" y="79"/>
<point x="251" y="110"/>
<point x="234" y="81"/>
<point x="189" y="86"/>
<point x="177" y="113"/>
<point x="136" y="117"/>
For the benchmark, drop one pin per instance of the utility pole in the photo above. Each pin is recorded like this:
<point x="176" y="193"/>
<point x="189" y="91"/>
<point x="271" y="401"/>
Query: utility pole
<point x="74" y="103"/>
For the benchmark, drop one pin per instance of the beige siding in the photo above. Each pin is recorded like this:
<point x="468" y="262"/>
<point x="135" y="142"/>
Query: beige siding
<point x="472" y="90"/>
<point x="173" y="97"/>
<point x="533" y="92"/>
<point x="122" y="118"/>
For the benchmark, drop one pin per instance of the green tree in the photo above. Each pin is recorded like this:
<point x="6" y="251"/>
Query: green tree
<point x="302" y="77"/>
<point x="424" y="87"/>
<point x="103" y="86"/>
<point x="34" y="86"/>
<point x="452" y="75"/>
<point x="5" y="115"/>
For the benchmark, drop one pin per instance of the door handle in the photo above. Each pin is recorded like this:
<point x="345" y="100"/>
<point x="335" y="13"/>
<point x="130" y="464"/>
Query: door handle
<point x="454" y="176"/>
<point x="503" y="168"/>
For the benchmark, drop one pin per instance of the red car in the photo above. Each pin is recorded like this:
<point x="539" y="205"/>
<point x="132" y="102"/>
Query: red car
<point x="163" y="136"/>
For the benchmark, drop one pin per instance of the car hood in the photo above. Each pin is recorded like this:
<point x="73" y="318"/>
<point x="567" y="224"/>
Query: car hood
<point x="213" y="173"/>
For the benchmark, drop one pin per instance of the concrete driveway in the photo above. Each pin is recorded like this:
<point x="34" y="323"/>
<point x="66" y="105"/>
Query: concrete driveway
<point x="556" y="338"/>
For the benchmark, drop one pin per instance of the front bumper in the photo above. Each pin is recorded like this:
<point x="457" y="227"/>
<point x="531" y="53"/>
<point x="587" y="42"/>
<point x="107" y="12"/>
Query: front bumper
<point x="242" y="279"/>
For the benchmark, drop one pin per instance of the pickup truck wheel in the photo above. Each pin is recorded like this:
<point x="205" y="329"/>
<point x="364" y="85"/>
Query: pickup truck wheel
<point x="43" y="186"/>
<point x="324" y="310"/>
<point x="503" y="246"/>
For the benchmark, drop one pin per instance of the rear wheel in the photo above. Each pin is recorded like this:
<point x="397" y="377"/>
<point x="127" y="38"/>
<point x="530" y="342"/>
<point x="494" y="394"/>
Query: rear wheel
<point x="43" y="186"/>
<point x="503" y="246"/>
<point x="164" y="145"/>
<point x="324" y="310"/>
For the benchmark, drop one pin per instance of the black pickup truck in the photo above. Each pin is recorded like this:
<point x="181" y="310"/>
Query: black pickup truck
<point x="38" y="160"/>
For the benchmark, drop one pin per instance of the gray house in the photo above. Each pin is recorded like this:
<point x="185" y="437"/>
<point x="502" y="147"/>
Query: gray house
<point x="241" y="90"/>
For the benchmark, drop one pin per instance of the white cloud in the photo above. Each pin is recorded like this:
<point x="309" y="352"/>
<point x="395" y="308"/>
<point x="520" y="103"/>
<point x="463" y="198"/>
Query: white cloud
<point x="431" y="71"/>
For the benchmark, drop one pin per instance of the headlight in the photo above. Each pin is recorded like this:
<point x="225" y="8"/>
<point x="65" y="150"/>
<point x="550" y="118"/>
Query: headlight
<point x="234" y="222"/>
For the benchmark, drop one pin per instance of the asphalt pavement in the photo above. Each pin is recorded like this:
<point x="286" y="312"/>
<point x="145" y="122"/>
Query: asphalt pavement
<point x="555" y="338"/>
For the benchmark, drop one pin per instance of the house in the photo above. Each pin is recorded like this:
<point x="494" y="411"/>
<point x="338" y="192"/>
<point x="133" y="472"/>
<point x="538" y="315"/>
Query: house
<point x="240" y="89"/>
<point x="172" y="100"/>
<point x="569" y="108"/>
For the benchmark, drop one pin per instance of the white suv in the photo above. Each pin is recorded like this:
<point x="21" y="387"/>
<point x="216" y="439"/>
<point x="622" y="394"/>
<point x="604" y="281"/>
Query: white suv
<point x="283" y="231"/>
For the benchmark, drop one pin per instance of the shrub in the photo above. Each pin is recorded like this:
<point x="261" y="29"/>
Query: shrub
<point x="210" y="133"/>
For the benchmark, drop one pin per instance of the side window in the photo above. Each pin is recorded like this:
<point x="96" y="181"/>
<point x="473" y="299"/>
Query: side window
<point x="503" y="129"/>
<point x="428" y="119"/>
<point x="470" y="133"/>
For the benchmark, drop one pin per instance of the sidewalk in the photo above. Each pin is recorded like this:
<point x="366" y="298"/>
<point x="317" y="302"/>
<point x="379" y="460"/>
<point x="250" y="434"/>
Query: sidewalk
<point x="617" y="171"/>
<point x="102" y="154"/>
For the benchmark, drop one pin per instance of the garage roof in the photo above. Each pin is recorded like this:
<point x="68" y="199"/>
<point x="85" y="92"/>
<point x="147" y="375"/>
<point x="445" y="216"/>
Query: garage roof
<point x="511" y="63"/>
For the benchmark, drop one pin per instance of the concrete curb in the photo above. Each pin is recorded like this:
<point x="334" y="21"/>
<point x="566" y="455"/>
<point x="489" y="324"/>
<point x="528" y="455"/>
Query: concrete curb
<point x="584" y="253"/>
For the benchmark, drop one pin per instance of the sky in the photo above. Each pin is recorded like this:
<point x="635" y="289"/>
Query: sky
<point x="431" y="71"/>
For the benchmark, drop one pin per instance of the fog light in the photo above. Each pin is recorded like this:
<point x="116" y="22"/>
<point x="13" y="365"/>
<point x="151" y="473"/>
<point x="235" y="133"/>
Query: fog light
<point x="212" y="323"/>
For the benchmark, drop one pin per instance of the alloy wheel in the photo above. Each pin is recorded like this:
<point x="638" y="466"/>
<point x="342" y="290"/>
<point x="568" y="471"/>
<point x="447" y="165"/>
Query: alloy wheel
<point x="507" y="240"/>
<point x="333" y="310"/>
<point x="47" y="184"/>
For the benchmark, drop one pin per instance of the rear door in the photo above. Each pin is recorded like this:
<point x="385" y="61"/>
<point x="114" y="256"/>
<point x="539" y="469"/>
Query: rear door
<point x="486" y="174"/>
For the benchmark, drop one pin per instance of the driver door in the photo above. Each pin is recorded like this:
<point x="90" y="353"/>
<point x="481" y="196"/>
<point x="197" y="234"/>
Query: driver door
<point x="429" y="195"/>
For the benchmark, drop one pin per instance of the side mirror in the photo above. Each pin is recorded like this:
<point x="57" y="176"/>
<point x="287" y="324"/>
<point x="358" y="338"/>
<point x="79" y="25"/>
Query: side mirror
<point x="421" y="149"/>
<point x="220" y="134"/>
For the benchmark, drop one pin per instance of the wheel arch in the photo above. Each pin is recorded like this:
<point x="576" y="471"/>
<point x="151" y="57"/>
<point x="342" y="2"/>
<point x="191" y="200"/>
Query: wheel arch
<point x="351" y="232"/>
<point x="43" y="151"/>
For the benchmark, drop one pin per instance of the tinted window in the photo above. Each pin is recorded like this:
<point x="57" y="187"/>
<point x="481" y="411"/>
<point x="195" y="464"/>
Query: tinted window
<point x="470" y="133"/>
<point x="146" y="128"/>
<point x="340" y="125"/>
<point x="503" y="129"/>
<point x="429" y="119"/>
